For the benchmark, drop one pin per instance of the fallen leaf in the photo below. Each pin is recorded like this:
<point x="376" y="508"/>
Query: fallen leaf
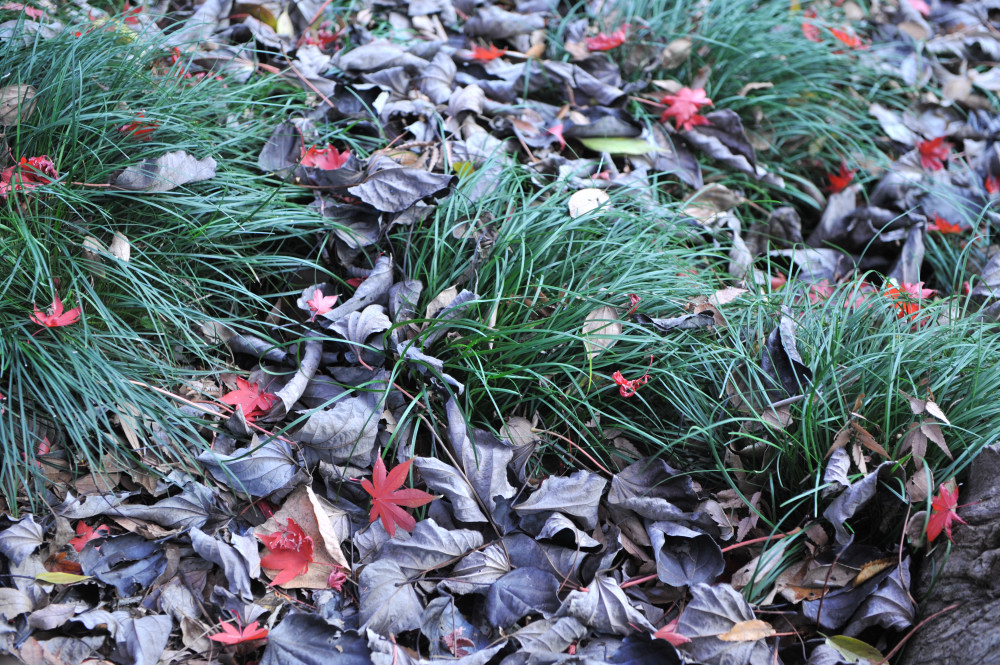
<point x="289" y="551"/>
<point x="231" y="634"/>
<point x="248" y="396"/>
<point x="586" y="200"/>
<point x="601" y="328"/>
<point x="748" y="631"/>
<point x="56" y="317"/>
<point x="387" y="498"/>
<point x="943" y="512"/>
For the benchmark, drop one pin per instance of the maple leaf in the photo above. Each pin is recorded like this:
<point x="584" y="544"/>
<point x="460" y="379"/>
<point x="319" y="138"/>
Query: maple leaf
<point x="320" y="304"/>
<point x="557" y="131"/>
<point x="85" y="534"/>
<point x="289" y="550"/>
<point x="934" y="153"/>
<point x="842" y="179"/>
<point x="810" y="30"/>
<point x="944" y="226"/>
<point x="356" y="281"/>
<point x="327" y="159"/>
<point x="232" y="634"/>
<point x="56" y="317"/>
<point x="907" y="297"/>
<point x="28" y="173"/>
<point x="848" y="38"/>
<point x="17" y="6"/>
<point x="337" y="578"/>
<point x="921" y="6"/>
<point x="669" y="633"/>
<point x="139" y="129"/>
<point x="944" y="509"/>
<point x="387" y="497"/>
<point x="484" y="54"/>
<point x="248" y="395"/>
<point x="991" y="184"/>
<point x="603" y="42"/>
<point x="628" y="387"/>
<point x="683" y="107"/>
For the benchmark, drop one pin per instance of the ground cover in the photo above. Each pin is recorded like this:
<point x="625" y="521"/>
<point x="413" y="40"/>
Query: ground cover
<point x="672" y="324"/>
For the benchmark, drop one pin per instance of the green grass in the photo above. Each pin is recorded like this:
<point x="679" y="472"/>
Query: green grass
<point x="218" y="250"/>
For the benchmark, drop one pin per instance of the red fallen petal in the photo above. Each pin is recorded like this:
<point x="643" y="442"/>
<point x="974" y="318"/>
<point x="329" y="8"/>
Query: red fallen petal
<point x="603" y="42"/>
<point x="486" y="54"/>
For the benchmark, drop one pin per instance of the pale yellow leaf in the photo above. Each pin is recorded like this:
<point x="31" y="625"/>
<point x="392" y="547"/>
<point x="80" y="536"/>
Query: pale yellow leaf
<point x="601" y="330"/>
<point x="748" y="631"/>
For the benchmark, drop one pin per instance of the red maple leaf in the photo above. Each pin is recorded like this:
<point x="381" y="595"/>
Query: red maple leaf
<point x="906" y="297"/>
<point x="848" y="38"/>
<point x="683" y="107"/>
<point x="557" y="131"/>
<point x="248" y="395"/>
<point x="140" y="129"/>
<point x="289" y="550"/>
<point x="921" y="6"/>
<point x="85" y="534"/>
<point x="944" y="226"/>
<point x="809" y="30"/>
<point x="337" y="578"/>
<point x="991" y="184"/>
<point x="387" y="497"/>
<point x="628" y="387"/>
<point x="603" y="42"/>
<point x="320" y="304"/>
<point x="328" y="158"/>
<point x="944" y="509"/>
<point x="934" y="153"/>
<point x="669" y="633"/>
<point x="232" y="634"/>
<point x="484" y="54"/>
<point x="17" y="6"/>
<point x="28" y="173"/>
<point x="56" y="317"/>
<point x="840" y="181"/>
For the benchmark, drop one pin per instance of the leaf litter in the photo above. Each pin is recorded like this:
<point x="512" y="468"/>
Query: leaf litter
<point x="503" y="567"/>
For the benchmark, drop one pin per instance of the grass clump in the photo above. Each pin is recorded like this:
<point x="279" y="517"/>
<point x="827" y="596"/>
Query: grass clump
<point x="217" y="250"/>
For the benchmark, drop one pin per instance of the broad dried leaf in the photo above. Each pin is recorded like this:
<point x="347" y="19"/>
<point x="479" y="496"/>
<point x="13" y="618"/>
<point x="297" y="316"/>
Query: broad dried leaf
<point x="430" y="546"/>
<point x="684" y="557"/>
<point x="396" y="189"/>
<point x="712" y="612"/>
<point x="306" y="639"/>
<point x="165" y="173"/>
<point x="19" y="540"/>
<point x="576" y="495"/>
<point x="601" y="329"/>
<point x="586" y="200"/>
<point x="748" y="631"/>
<point x="521" y="592"/>
<point x="389" y="604"/>
<point x="128" y="562"/>
<point x="258" y="471"/>
<point x="605" y="608"/>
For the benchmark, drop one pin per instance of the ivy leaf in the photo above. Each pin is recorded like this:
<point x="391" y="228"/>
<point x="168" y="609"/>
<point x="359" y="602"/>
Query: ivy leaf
<point x="387" y="497"/>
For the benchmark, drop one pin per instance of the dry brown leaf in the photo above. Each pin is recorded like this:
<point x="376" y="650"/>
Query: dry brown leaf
<point x="441" y="301"/>
<point x="726" y="295"/>
<point x="933" y="432"/>
<point x="120" y="247"/>
<point x="586" y="200"/>
<point x="676" y="53"/>
<point x="519" y="432"/>
<point x="830" y="575"/>
<point x="748" y="631"/>
<point x="871" y="569"/>
<point x="915" y="441"/>
<point x="16" y="103"/>
<point x="867" y="440"/>
<point x="605" y="327"/>
<point x="933" y="409"/>
<point x="919" y="484"/>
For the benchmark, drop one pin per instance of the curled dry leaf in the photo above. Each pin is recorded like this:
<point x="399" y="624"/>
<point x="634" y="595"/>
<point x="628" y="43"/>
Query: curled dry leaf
<point x="587" y="200"/>
<point x="600" y="330"/>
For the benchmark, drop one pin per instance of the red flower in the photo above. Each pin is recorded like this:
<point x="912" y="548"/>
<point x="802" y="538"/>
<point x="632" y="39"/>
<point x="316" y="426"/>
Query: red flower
<point x="28" y="173"/>
<point x="906" y="298"/>
<point x="289" y="550"/>
<point x="603" y="42"/>
<point x="483" y="54"/>
<point x="320" y="304"/>
<point x="991" y="184"/>
<point x="840" y="181"/>
<point x="387" y="498"/>
<point x="140" y="129"/>
<point x="233" y="635"/>
<point x="943" y="512"/>
<point x="848" y="38"/>
<point x="56" y="316"/>
<point x="944" y="226"/>
<point x="328" y="158"/>
<point x="626" y="387"/>
<point x="934" y="153"/>
<point x="683" y="107"/>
